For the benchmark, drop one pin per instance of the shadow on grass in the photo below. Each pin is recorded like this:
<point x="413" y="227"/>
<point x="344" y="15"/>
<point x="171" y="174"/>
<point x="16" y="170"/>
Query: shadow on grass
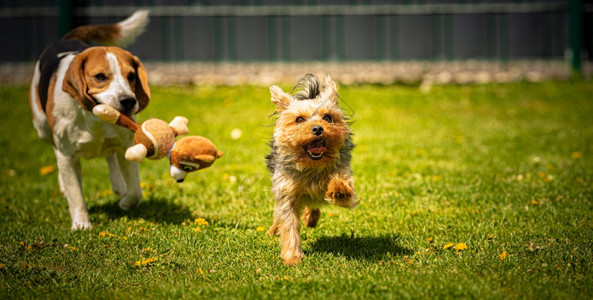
<point x="366" y="247"/>
<point x="158" y="210"/>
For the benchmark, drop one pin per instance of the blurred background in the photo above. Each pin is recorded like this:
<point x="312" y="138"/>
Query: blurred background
<point x="360" y="41"/>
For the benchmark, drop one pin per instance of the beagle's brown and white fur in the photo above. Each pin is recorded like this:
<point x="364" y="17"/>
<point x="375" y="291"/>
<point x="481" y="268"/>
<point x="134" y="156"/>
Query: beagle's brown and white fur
<point x="70" y="78"/>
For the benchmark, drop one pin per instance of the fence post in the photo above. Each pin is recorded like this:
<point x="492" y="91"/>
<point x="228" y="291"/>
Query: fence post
<point x="65" y="17"/>
<point x="575" y="34"/>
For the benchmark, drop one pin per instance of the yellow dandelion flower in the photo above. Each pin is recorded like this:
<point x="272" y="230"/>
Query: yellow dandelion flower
<point x="106" y="234"/>
<point x="145" y="186"/>
<point x="197" y="229"/>
<point x="260" y="228"/>
<point x="21" y="244"/>
<point x="201" y="221"/>
<point x="330" y="215"/>
<point x="437" y="177"/>
<point x="200" y="271"/>
<point x="46" y="170"/>
<point x="146" y="261"/>
<point x="448" y="245"/>
<point x="490" y="236"/>
<point x="105" y="193"/>
<point x="503" y="255"/>
<point x="430" y="240"/>
<point x="147" y="249"/>
<point x="460" y="247"/>
<point x="576" y="155"/>
<point x="28" y="247"/>
<point x="72" y="248"/>
<point x="2" y="266"/>
<point x="534" y="202"/>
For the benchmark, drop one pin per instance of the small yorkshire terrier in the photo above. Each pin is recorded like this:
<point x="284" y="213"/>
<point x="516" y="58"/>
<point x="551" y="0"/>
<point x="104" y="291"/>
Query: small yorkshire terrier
<point x="309" y="161"/>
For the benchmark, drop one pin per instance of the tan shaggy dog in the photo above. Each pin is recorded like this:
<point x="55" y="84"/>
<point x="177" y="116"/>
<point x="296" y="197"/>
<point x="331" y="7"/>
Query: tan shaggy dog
<point x="309" y="160"/>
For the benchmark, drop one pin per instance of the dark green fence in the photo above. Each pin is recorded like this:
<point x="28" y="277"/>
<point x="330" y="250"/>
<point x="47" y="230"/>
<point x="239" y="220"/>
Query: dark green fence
<point x="235" y="30"/>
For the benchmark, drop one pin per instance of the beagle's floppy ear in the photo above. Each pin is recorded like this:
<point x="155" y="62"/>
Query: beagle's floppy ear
<point x="142" y="91"/>
<point x="75" y="82"/>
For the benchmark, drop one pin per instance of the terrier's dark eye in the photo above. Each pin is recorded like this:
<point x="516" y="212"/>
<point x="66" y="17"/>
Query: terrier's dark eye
<point x="131" y="77"/>
<point x="300" y="120"/>
<point x="328" y="118"/>
<point x="100" y="77"/>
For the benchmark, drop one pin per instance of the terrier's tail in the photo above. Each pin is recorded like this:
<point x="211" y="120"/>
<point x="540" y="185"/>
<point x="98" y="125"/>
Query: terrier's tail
<point x="119" y="34"/>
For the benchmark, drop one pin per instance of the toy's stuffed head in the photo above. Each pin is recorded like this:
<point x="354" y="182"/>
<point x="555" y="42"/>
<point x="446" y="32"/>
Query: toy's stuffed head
<point x="190" y="154"/>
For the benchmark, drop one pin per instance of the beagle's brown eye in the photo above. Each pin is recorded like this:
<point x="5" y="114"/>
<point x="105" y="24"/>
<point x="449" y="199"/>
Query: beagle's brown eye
<point x="300" y="120"/>
<point x="328" y="118"/>
<point x="131" y="77"/>
<point x="100" y="77"/>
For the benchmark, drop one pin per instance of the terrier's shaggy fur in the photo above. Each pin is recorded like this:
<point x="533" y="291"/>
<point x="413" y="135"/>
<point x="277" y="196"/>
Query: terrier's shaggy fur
<point x="309" y="160"/>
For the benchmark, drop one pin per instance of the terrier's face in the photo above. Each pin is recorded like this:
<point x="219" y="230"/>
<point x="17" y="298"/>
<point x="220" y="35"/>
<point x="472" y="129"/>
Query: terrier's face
<point x="310" y="132"/>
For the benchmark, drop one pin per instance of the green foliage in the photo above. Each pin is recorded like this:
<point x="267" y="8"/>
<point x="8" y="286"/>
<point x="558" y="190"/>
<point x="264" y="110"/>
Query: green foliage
<point x="504" y="169"/>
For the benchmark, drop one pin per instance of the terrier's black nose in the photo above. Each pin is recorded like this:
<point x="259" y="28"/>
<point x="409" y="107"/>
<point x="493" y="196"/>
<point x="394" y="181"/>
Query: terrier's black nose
<point x="317" y="130"/>
<point x="127" y="103"/>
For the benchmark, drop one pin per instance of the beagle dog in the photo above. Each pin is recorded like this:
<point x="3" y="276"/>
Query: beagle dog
<point x="71" y="77"/>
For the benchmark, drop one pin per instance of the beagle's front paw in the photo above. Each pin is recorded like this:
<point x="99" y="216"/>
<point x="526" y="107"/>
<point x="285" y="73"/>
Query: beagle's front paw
<point x="130" y="201"/>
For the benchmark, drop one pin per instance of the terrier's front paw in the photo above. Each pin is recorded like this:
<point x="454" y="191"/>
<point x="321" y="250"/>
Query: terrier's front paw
<point x="340" y="192"/>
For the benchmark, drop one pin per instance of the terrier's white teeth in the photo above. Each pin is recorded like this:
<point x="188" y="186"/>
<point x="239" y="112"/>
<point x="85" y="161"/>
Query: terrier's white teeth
<point x="316" y="155"/>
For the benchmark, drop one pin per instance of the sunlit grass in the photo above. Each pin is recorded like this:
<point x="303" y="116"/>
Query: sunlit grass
<point x="471" y="191"/>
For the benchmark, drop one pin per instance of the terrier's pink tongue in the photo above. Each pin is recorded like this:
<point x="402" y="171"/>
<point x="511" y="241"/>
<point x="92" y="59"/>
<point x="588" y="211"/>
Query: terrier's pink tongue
<point x="318" y="150"/>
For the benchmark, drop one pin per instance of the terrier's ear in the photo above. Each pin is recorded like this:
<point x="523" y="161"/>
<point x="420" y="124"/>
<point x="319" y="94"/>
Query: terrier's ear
<point x="280" y="98"/>
<point x="330" y="91"/>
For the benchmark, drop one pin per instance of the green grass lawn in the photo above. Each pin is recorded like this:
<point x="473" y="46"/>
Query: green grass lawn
<point x="505" y="170"/>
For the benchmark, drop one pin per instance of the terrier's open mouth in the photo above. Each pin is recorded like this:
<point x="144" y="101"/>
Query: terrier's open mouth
<point x="316" y="149"/>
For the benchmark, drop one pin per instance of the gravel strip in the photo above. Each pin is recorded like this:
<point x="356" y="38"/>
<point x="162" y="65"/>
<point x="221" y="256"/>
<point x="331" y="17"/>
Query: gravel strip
<point x="424" y="74"/>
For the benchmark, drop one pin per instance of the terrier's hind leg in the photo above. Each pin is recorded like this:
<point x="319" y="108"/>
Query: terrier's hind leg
<point x="311" y="216"/>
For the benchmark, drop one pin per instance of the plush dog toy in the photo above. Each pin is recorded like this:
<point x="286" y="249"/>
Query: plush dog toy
<point x="155" y="139"/>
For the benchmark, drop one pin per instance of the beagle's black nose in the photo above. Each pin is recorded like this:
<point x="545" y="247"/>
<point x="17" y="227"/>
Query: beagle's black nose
<point x="127" y="103"/>
<point x="317" y="130"/>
